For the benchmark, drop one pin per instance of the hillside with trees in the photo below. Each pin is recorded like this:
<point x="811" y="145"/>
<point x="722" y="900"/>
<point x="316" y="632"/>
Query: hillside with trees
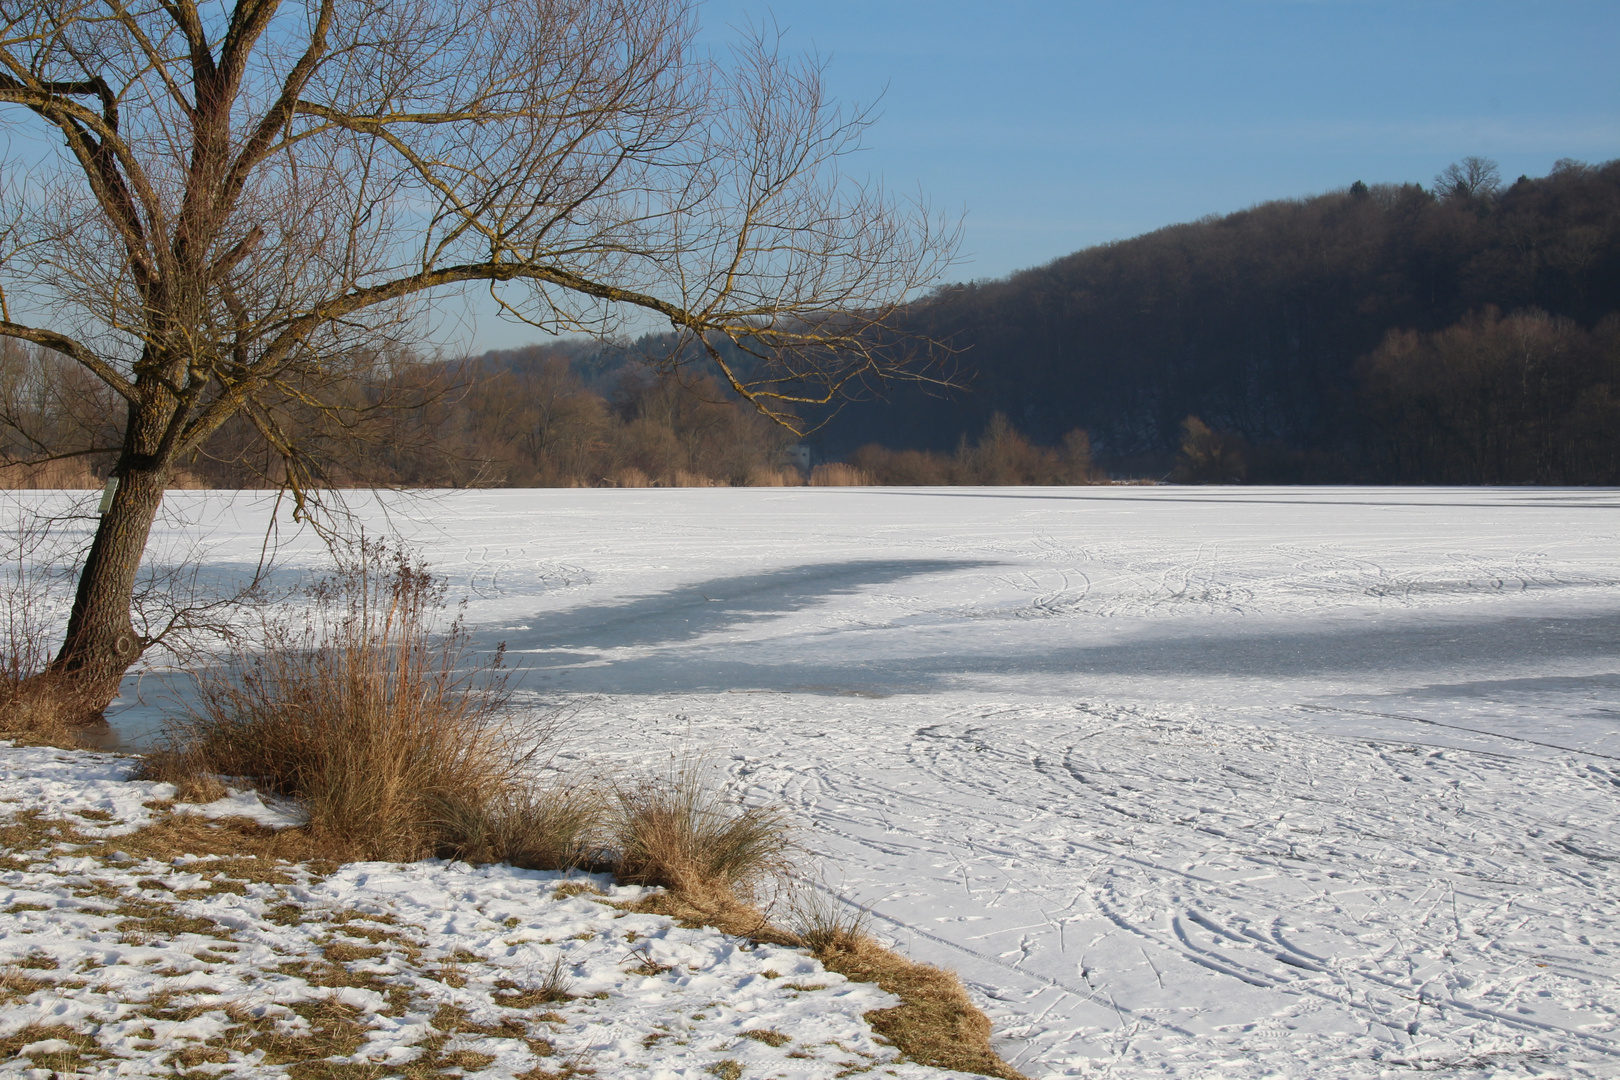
<point x="1465" y="332"/>
<point x="1460" y="333"/>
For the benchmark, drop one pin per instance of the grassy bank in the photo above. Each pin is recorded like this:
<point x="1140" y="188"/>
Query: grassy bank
<point x="370" y="716"/>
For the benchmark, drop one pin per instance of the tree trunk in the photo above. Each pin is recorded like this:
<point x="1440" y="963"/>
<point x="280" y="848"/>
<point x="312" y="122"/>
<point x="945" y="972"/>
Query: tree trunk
<point x="101" y="642"/>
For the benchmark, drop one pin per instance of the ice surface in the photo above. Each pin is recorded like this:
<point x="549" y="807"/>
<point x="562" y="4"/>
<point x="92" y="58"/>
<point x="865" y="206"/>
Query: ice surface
<point x="1184" y="782"/>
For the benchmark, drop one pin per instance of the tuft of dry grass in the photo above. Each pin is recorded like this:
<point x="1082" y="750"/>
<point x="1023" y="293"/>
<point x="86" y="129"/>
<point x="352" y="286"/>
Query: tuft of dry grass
<point x="538" y="828"/>
<point x="819" y="921"/>
<point x="936" y="1023"/>
<point x="370" y="712"/>
<point x="554" y="986"/>
<point x="768" y="1036"/>
<point x="576" y="887"/>
<point x="680" y="832"/>
<point x="838" y="474"/>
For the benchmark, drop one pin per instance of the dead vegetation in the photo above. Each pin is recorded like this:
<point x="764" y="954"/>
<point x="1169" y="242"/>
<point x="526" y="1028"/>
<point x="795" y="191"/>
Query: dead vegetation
<point x="376" y="718"/>
<point x="372" y="716"/>
<point x="33" y="710"/>
<point x="681" y="832"/>
<point x="713" y="858"/>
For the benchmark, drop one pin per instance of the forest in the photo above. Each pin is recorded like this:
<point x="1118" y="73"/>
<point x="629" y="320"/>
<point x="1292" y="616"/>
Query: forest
<point x="1465" y="332"/>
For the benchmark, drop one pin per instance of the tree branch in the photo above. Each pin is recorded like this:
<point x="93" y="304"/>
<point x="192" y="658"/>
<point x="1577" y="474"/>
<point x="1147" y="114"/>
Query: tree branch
<point x="73" y="350"/>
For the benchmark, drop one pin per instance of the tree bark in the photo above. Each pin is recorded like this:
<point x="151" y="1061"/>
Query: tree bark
<point x="101" y="642"/>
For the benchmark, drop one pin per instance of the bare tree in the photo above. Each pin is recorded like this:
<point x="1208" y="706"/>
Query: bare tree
<point x="221" y="201"/>
<point x="1471" y="178"/>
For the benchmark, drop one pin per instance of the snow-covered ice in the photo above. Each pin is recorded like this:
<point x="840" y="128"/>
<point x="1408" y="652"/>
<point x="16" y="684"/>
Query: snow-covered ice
<point x="1183" y="781"/>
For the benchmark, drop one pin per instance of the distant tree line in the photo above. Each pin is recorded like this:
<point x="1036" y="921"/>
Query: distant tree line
<point x="569" y="414"/>
<point x="526" y="419"/>
<point x="1460" y="333"/>
<point x="1468" y="332"/>
<point x="1000" y="456"/>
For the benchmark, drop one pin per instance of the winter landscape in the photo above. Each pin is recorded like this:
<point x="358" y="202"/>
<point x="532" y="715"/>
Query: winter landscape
<point x="1182" y="781"/>
<point x="790" y="540"/>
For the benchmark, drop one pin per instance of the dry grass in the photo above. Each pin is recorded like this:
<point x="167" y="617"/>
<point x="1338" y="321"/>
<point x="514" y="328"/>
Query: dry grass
<point x="371" y="714"/>
<point x="44" y="475"/>
<point x="679" y="832"/>
<point x="768" y="1036"/>
<point x="36" y="561"/>
<point x="838" y="474"/>
<point x="935" y="1023"/>
<point x="34" y="709"/>
<point x="761" y="476"/>
<point x="630" y="477"/>
<point x="818" y="920"/>
<point x="714" y="859"/>
<point x="39" y="711"/>
<point x="554" y="986"/>
<point x="68" y="1059"/>
<point x="549" y="828"/>
<point x="250" y="852"/>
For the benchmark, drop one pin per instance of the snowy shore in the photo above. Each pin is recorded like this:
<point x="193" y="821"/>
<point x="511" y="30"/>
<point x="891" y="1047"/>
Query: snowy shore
<point x="120" y="965"/>
<point x="1183" y="782"/>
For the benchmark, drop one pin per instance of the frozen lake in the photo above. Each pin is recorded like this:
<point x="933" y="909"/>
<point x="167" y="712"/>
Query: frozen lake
<point x="1183" y="781"/>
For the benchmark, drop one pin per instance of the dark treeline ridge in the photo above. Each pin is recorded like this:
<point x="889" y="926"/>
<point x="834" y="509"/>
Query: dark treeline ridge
<point x="1461" y="333"/>
<point x="1468" y="332"/>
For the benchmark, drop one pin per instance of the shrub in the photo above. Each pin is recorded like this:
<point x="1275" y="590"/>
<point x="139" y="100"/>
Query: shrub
<point x="549" y="828"/>
<point x="374" y="716"/>
<point x="1208" y="456"/>
<point x="680" y="832"/>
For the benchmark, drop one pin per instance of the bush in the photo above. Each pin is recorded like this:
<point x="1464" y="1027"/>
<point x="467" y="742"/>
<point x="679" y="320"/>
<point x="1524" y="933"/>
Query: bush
<point x="822" y="923"/>
<point x="1002" y="456"/>
<point x="395" y="742"/>
<point x="550" y="828"/>
<point x="680" y="832"/>
<point x="1208" y="456"/>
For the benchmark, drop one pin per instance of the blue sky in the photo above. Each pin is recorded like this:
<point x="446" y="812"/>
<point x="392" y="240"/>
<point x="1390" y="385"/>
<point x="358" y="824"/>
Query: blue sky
<point x="1057" y="125"/>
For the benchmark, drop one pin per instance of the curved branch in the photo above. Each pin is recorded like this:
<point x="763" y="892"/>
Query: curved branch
<point x="73" y="350"/>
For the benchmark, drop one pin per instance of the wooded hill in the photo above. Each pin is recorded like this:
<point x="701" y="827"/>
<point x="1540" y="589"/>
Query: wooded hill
<point x="1460" y="333"/>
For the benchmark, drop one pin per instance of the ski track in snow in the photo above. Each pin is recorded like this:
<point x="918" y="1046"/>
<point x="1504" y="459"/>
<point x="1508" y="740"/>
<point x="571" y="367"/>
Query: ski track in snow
<point x="1183" y="782"/>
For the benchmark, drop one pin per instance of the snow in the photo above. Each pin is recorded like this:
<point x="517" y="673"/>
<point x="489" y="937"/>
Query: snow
<point x="648" y="998"/>
<point x="1182" y="781"/>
